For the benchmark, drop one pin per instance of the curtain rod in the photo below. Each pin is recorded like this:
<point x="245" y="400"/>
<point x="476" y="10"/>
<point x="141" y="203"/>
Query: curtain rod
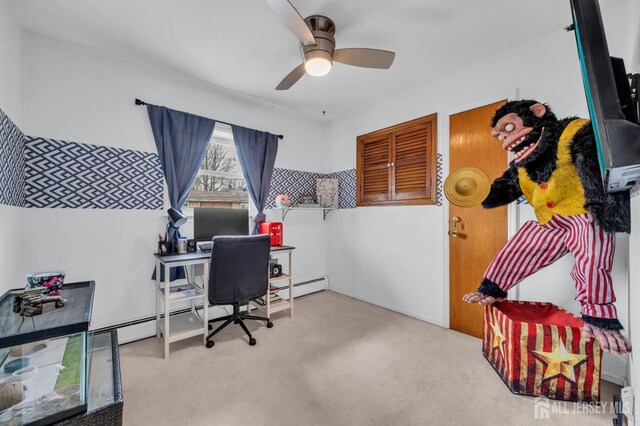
<point x="139" y="102"/>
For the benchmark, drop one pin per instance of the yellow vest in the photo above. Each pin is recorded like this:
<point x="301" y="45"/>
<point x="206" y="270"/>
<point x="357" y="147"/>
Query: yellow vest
<point x="563" y="193"/>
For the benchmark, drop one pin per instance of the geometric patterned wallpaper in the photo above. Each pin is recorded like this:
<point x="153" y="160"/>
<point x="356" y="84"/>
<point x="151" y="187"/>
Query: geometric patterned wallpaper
<point x="60" y="174"/>
<point x="346" y="188"/>
<point x="439" y="180"/>
<point x="63" y="174"/>
<point x="11" y="163"/>
<point x="297" y="182"/>
<point x="294" y="183"/>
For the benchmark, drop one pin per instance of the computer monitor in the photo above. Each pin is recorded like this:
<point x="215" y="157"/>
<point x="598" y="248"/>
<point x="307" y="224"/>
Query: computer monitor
<point x="211" y="222"/>
<point x="617" y="135"/>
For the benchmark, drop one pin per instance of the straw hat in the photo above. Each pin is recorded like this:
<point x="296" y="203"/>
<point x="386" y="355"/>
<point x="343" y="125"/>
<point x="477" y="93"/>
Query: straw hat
<point x="467" y="186"/>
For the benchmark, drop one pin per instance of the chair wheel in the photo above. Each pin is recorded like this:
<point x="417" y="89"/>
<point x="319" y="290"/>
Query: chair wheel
<point x="210" y="343"/>
<point x="269" y="324"/>
<point x="252" y="342"/>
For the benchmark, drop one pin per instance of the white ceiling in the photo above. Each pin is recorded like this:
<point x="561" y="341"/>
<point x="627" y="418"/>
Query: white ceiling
<point x="241" y="46"/>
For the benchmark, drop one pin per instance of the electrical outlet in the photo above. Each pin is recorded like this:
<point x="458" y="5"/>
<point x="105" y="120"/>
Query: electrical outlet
<point x="626" y="396"/>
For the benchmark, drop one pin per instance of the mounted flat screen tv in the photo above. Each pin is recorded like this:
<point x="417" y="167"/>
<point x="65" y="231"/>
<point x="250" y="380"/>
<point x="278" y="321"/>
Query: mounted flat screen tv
<point x="211" y="222"/>
<point x="608" y="94"/>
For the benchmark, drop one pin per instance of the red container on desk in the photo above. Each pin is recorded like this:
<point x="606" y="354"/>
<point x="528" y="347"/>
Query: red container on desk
<point x="274" y="229"/>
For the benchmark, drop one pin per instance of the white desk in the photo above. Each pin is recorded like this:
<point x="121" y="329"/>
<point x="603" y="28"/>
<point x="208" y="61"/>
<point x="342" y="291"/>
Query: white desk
<point x="183" y="326"/>
<point x="269" y="308"/>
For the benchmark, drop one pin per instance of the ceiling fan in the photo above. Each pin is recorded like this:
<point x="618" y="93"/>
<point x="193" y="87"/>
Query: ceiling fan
<point x="318" y="45"/>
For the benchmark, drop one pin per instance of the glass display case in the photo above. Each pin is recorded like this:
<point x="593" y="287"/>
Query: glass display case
<point x="105" y="387"/>
<point x="44" y="359"/>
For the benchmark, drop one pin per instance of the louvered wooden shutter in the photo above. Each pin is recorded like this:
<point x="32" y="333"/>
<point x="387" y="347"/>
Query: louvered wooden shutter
<point x="397" y="165"/>
<point x="375" y="171"/>
<point x="412" y="176"/>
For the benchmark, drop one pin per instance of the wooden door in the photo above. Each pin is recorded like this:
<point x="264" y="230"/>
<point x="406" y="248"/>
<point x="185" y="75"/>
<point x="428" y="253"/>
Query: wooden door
<point x="483" y="231"/>
<point x="374" y="158"/>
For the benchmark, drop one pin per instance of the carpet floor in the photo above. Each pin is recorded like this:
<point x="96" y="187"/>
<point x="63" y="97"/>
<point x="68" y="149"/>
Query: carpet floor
<point x="338" y="361"/>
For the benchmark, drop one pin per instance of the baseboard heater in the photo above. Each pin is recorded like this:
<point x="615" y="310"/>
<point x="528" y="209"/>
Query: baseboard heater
<point x="128" y="329"/>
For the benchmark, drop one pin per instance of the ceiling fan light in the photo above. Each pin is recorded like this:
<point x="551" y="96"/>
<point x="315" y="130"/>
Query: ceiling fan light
<point x="317" y="63"/>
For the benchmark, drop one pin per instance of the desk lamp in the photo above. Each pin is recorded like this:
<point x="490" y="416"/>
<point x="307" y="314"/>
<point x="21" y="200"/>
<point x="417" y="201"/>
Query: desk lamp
<point x="176" y="220"/>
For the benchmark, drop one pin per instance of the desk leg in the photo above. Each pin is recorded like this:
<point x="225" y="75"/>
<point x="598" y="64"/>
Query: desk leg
<point x="167" y="309"/>
<point x="158" y="307"/>
<point x="268" y="298"/>
<point x="192" y="276"/>
<point x="290" y="286"/>
<point x="205" y="305"/>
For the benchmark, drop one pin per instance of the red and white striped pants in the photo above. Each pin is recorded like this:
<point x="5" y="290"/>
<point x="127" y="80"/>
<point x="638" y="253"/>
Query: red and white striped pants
<point x="535" y="246"/>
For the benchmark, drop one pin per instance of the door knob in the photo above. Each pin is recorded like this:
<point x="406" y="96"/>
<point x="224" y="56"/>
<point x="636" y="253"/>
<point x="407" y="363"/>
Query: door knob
<point x="454" y="233"/>
<point x="456" y="220"/>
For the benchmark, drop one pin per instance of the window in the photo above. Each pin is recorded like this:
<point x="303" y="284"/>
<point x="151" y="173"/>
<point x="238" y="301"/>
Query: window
<point x="397" y="165"/>
<point x="220" y="182"/>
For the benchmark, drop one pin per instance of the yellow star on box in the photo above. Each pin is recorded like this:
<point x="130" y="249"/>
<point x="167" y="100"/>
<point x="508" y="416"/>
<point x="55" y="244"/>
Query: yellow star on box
<point x="560" y="362"/>
<point x="498" y="338"/>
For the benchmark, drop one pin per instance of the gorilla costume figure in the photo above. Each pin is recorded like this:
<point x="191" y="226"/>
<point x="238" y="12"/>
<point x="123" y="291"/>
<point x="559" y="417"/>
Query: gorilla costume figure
<point x="556" y="168"/>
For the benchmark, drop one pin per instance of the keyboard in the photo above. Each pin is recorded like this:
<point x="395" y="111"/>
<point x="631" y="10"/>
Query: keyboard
<point x="204" y="246"/>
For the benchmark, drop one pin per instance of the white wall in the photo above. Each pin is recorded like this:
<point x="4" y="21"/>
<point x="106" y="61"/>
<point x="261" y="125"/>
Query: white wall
<point x="11" y="66"/>
<point x="398" y="256"/>
<point x="12" y="248"/>
<point x="11" y="102"/>
<point x="75" y="95"/>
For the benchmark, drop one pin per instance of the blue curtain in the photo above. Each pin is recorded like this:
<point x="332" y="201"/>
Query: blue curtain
<point x="181" y="140"/>
<point x="257" y="155"/>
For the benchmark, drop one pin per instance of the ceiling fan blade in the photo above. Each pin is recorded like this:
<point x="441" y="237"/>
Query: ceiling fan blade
<point x="367" y="58"/>
<point x="292" y="20"/>
<point x="292" y="78"/>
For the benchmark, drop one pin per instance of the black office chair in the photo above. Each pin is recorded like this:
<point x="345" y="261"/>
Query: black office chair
<point x="239" y="272"/>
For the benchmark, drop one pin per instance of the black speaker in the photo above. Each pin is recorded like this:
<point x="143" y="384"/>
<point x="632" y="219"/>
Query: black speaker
<point x="192" y="247"/>
<point x="275" y="270"/>
<point x="162" y="248"/>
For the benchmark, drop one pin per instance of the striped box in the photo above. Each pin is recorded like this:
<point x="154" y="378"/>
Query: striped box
<point x="537" y="349"/>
